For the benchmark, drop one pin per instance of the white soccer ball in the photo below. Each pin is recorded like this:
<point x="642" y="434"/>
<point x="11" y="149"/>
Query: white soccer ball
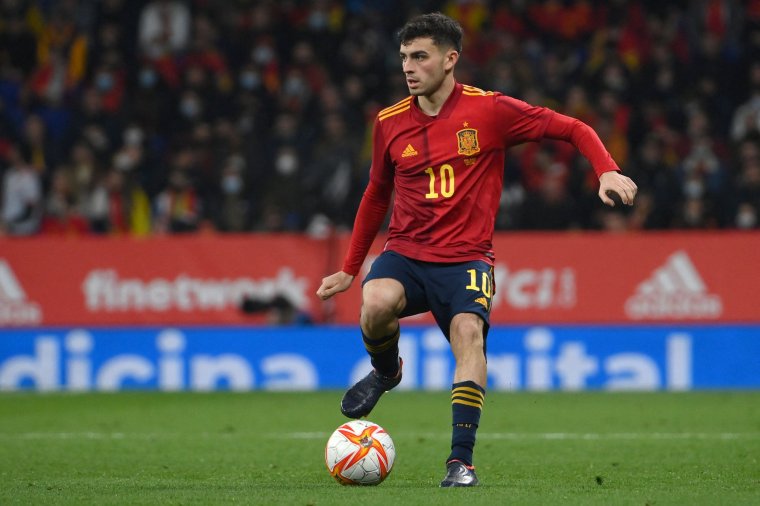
<point x="360" y="452"/>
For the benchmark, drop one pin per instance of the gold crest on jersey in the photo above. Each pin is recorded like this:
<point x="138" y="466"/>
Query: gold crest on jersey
<point x="467" y="138"/>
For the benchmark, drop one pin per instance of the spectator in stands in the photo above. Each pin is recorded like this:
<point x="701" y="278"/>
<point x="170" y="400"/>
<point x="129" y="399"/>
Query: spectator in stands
<point x="282" y="198"/>
<point x="650" y="165"/>
<point x="22" y="199"/>
<point x="118" y="206"/>
<point x="328" y="181"/>
<point x="232" y="207"/>
<point x="93" y="124"/>
<point x="61" y="55"/>
<point x="164" y="31"/>
<point x="63" y="215"/>
<point x="747" y="216"/>
<point x="746" y="118"/>
<point x="747" y="213"/>
<point x="34" y="137"/>
<point x="550" y="207"/>
<point x="178" y="208"/>
<point x="164" y="28"/>
<point x="85" y="169"/>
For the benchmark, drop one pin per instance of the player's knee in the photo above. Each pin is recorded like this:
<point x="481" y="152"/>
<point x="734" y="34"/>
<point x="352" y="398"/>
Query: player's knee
<point x="378" y="309"/>
<point x="376" y="314"/>
<point x="467" y="331"/>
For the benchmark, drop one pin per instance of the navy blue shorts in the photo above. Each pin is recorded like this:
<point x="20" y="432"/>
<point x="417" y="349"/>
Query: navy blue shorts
<point x="444" y="289"/>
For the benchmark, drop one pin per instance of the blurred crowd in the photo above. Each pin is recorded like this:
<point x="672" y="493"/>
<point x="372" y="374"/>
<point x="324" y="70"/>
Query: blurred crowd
<point x="170" y="116"/>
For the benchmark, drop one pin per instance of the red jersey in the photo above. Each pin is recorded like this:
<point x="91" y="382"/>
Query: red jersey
<point x="448" y="170"/>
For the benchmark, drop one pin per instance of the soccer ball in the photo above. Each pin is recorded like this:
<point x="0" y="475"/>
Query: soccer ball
<point x="360" y="453"/>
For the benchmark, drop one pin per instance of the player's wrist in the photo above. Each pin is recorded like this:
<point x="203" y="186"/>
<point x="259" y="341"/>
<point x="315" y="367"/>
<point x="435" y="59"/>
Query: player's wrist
<point x="351" y="268"/>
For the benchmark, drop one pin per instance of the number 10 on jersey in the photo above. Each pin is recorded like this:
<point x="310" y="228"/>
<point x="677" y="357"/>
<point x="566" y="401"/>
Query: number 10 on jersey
<point x="442" y="180"/>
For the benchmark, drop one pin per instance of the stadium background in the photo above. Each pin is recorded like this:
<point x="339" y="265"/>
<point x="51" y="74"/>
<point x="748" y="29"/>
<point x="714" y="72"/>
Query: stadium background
<point x="178" y="176"/>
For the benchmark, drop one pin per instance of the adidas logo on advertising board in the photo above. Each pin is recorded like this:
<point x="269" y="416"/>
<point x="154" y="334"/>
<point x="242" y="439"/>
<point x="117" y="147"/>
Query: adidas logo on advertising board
<point x="15" y="309"/>
<point x="674" y="290"/>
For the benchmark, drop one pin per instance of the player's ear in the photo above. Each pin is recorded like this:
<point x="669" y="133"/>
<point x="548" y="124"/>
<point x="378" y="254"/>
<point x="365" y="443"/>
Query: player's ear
<point x="451" y="59"/>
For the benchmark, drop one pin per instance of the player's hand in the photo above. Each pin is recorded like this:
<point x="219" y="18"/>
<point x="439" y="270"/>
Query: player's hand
<point x="334" y="283"/>
<point x="614" y="182"/>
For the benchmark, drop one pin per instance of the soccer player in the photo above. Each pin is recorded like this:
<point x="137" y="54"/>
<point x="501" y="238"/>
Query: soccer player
<point x="442" y="150"/>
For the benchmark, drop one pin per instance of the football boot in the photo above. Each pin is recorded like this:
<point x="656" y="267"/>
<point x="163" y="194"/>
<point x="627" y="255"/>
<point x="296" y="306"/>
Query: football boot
<point x="458" y="474"/>
<point x="361" y="398"/>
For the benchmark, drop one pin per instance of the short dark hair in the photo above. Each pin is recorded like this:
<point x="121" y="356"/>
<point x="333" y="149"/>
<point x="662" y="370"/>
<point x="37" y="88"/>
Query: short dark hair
<point x="442" y="29"/>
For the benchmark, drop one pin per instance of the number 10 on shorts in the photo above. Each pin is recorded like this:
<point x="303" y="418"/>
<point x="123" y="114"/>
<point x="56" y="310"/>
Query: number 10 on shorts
<point x="485" y="282"/>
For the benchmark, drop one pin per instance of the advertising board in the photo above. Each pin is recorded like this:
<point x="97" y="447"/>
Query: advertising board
<point x="207" y="279"/>
<point x="332" y="357"/>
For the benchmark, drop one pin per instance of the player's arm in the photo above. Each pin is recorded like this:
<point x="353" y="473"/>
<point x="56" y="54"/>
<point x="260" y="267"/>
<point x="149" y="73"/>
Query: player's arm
<point x="585" y="139"/>
<point x="521" y="122"/>
<point x="369" y="218"/>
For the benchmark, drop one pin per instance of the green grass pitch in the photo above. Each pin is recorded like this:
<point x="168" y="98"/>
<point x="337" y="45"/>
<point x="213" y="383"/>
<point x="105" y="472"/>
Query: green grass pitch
<point x="267" y="448"/>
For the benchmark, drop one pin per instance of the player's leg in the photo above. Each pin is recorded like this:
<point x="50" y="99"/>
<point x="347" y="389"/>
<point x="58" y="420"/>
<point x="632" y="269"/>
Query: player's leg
<point x="467" y="397"/>
<point x="468" y="347"/>
<point x="382" y="302"/>
<point x="385" y="298"/>
<point x="464" y="321"/>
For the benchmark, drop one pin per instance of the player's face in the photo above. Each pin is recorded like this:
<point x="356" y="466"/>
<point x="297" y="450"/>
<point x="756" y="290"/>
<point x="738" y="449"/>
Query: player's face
<point x="425" y="65"/>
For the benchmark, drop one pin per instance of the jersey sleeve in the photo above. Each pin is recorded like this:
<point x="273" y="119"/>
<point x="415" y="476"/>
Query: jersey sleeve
<point x="584" y="138"/>
<point x="373" y="206"/>
<point x="521" y="122"/>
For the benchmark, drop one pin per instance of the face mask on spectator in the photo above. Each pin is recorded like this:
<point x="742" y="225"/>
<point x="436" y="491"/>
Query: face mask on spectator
<point x="294" y="87"/>
<point x="249" y="80"/>
<point x="189" y="108"/>
<point x="262" y="55"/>
<point x="133" y="136"/>
<point x="286" y="164"/>
<point x="104" y="81"/>
<point x="694" y="188"/>
<point x="232" y="184"/>
<point x="317" y="21"/>
<point x="148" y="78"/>
<point x="746" y="218"/>
<point x="122" y="161"/>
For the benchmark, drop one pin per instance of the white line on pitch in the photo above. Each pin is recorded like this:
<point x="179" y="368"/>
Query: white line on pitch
<point x="512" y="436"/>
<point x="552" y="436"/>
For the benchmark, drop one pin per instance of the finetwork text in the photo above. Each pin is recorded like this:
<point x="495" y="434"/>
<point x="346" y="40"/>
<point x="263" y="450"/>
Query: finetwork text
<point x="105" y="290"/>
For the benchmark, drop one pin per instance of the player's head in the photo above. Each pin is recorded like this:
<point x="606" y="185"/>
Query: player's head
<point x="445" y="32"/>
<point x="430" y="47"/>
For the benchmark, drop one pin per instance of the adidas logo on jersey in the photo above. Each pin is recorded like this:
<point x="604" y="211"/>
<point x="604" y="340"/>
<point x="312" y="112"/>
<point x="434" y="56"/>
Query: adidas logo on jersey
<point x="674" y="290"/>
<point x="15" y="308"/>
<point x="409" y="151"/>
